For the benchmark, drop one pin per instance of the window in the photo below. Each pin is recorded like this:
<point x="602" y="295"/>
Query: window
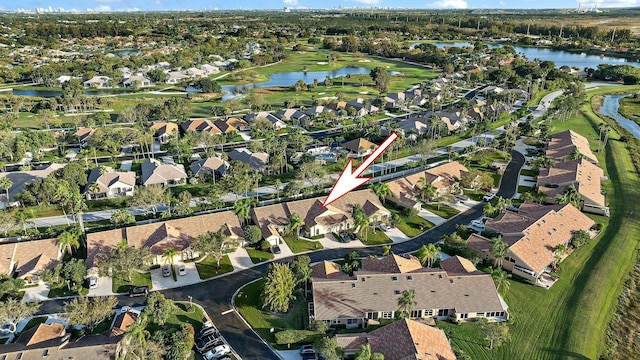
<point x="19" y="356"/>
<point x="372" y="315"/>
<point x="363" y="280"/>
<point x="416" y="313"/>
<point x="480" y="314"/>
<point x="443" y="312"/>
<point x="394" y="278"/>
<point x="428" y="313"/>
<point x="352" y="321"/>
<point x="387" y="314"/>
<point x="464" y="316"/>
<point x="397" y="292"/>
<point x="409" y="277"/>
<point x="46" y="352"/>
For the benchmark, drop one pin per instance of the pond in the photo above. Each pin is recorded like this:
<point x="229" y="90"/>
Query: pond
<point x="560" y="57"/>
<point x="611" y="107"/>
<point x="290" y="78"/>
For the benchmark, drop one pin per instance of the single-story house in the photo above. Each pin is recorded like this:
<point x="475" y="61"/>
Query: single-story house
<point x="560" y="146"/>
<point x="83" y="135"/>
<point x="225" y="127"/>
<point x="258" y="161"/>
<point x="277" y="123"/>
<point x="20" y="180"/>
<point x="137" y="81"/>
<point x="98" y="82"/>
<point x="372" y="292"/>
<point x="238" y="124"/>
<point x="176" y="77"/>
<point x="200" y="125"/>
<point x="157" y="173"/>
<point x="210" y="165"/>
<point x="165" y="131"/>
<point x="294" y="116"/>
<point x="358" y="148"/>
<point x="104" y="182"/>
<point x="28" y="259"/>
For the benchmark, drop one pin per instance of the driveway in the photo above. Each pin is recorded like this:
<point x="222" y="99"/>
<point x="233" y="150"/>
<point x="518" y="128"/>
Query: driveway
<point x="160" y="282"/>
<point x="330" y="242"/>
<point x="104" y="287"/>
<point x="289" y="354"/>
<point x="240" y="259"/>
<point x="431" y="217"/>
<point x="36" y="293"/>
<point x="396" y="235"/>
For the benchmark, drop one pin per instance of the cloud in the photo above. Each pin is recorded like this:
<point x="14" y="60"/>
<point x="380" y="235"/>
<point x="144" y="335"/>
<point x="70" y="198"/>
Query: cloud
<point x="449" y="4"/>
<point x="102" y="8"/>
<point x="609" y="3"/>
<point x="290" y="2"/>
<point x="367" y="2"/>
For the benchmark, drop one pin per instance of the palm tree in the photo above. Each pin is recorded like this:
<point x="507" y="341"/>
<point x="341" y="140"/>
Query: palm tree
<point x="68" y="241"/>
<point x="570" y="196"/>
<point x="386" y="250"/>
<point x="242" y="208"/>
<point x="6" y="184"/>
<point x="498" y="250"/>
<point x="295" y="223"/>
<point x="575" y="154"/>
<point x="427" y="191"/>
<point x="500" y="278"/>
<point x="502" y="204"/>
<point x="169" y="255"/>
<point x="427" y="254"/>
<point x="382" y="190"/>
<point x="408" y="300"/>
<point x="489" y="210"/>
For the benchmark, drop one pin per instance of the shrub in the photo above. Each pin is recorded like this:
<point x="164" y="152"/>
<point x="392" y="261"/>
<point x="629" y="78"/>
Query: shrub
<point x="265" y="245"/>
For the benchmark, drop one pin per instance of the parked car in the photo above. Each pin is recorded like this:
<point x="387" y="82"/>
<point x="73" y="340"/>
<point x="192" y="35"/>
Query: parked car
<point x="307" y="349"/>
<point x="217" y="352"/>
<point x="208" y="342"/>
<point x="353" y="236"/>
<point x="385" y="227"/>
<point x="512" y="208"/>
<point x="490" y="196"/>
<point x="206" y="332"/>
<point x="276" y="249"/>
<point x="182" y="270"/>
<point x="463" y="197"/>
<point x="166" y="272"/>
<point x="309" y="356"/>
<point x="93" y="282"/>
<point x="477" y="224"/>
<point x="139" y="291"/>
<point x="344" y="236"/>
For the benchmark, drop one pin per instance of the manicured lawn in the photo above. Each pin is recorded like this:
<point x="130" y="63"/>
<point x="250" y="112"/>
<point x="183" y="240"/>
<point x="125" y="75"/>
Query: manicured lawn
<point x="371" y="238"/>
<point x="183" y="314"/>
<point x="524" y="189"/>
<point x="258" y="256"/>
<point x="122" y="285"/>
<point x="63" y="291"/>
<point x="528" y="172"/>
<point x="301" y="245"/>
<point x="208" y="267"/>
<point x="248" y="304"/>
<point x="444" y="211"/>
<point x="570" y="319"/>
<point x="413" y="226"/>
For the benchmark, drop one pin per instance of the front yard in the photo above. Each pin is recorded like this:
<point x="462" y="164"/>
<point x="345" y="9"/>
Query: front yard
<point x="122" y="284"/>
<point x="444" y="211"/>
<point x="208" y="267"/>
<point x="409" y="225"/>
<point x="374" y="238"/>
<point x="301" y="245"/>
<point x="258" y="256"/>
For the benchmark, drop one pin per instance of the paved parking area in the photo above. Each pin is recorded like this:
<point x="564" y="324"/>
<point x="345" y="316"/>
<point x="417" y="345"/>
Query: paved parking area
<point x="36" y="293"/>
<point x="240" y="259"/>
<point x="104" y="288"/>
<point x="160" y="282"/>
<point x="330" y="242"/>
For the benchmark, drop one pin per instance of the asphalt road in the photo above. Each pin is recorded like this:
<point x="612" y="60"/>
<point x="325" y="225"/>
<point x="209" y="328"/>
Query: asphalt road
<point x="215" y="295"/>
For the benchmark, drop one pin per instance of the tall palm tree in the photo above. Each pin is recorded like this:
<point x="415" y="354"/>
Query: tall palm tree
<point x="382" y="190"/>
<point x="427" y="254"/>
<point x="68" y="241"/>
<point x="502" y="204"/>
<point x="498" y="250"/>
<point x="407" y="301"/>
<point x="295" y="223"/>
<point x="169" y="255"/>
<point x="242" y="208"/>
<point x="6" y="184"/>
<point x="427" y="191"/>
<point x="570" y="196"/>
<point x="501" y="279"/>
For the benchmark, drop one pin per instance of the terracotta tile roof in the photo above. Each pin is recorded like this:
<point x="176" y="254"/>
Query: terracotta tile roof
<point x="458" y="265"/>
<point x="109" y="178"/>
<point x="271" y="218"/>
<point x="155" y="172"/>
<point x="441" y="176"/>
<point x="478" y="243"/>
<point x="225" y="127"/>
<point x="581" y="173"/>
<point x="352" y="341"/>
<point x="355" y="145"/>
<point x="162" y="128"/>
<point x="237" y="123"/>
<point x="100" y="244"/>
<point x="122" y="322"/>
<point x="391" y="264"/>
<point x="42" y="333"/>
<point x="410" y="340"/>
<point x="562" y="144"/>
<point x="402" y="192"/>
<point x="367" y="290"/>
<point x="29" y="256"/>
<point x="97" y="347"/>
<point x="327" y="270"/>
<point x="199" y="125"/>
<point x="208" y="166"/>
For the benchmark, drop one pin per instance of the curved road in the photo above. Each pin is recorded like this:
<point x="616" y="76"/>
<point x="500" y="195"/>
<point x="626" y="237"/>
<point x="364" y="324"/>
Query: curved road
<point x="215" y="295"/>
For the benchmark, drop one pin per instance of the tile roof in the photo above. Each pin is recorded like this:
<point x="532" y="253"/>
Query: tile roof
<point x="162" y="128"/>
<point x="410" y="340"/>
<point x="155" y="172"/>
<point x="479" y="243"/>
<point x="122" y="322"/>
<point x="208" y="166"/>
<point x="41" y="333"/>
<point x="29" y="256"/>
<point x="109" y="178"/>
<point x="403" y="192"/>
<point x="355" y="145"/>
<point x="458" y="265"/>
<point x="368" y="290"/>
<point x="584" y="175"/>
<point x="562" y="144"/>
<point x="237" y="123"/>
<point x="391" y="264"/>
<point x="441" y="176"/>
<point x="199" y="125"/>
<point x="96" y="347"/>
<point x="257" y="160"/>
<point x="327" y="270"/>
<point x="225" y="127"/>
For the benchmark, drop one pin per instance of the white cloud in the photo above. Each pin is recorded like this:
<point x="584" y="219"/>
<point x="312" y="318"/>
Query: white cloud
<point x="290" y="2"/>
<point x="102" y="8"/>
<point x="449" y="4"/>
<point x="367" y="2"/>
<point x="609" y="3"/>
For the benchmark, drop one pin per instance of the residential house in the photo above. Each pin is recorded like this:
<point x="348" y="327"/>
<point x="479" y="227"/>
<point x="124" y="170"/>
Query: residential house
<point x="98" y="82"/>
<point x="581" y="174"/>
<point x="395" y="100"/>
<point x="277" y="123"/>
<point x="209" y="69"/>
<point x="157" y="173"/>
<point x="358" y="148"/>
<point x="318" y="220"/>
<point x="64" y="78"/>
<point x="200" y="125"/>
<point x="176" y="77"/>
<point x="404" y="193"/>
<point x="104" y="182"/>
<point x="165" y="131"/>
<point x="28" y="259"/>
<point x="225" y="127"/>
<point x="83" y="135"/>
<point x="210" y="165"/>
<point x="137" y="81"/>
<point x="362" y="106"/>
<point x="445" y="178"/>
<point x="560" y="146"/>
<point x="454" y="120"/>
<point x="293" y="116"/>
<point x="195" y="73"/>
<point x="372" y="293"/>
<point x="258" y="161"/>
<point x="412" y="128"/>
<point x="533" y="235"/>
<point x="238" y="124"/>
<point x="123" y="320"/>
<point x="402" y="339"/>
<point x="158" y="237"/>
<point x="20" y="180"/>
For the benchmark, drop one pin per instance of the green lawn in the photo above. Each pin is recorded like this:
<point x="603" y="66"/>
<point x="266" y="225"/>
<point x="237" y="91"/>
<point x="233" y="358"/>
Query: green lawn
<point x="122" y="284"/>
<point x="630" y="108"/>
<point x="258" y="256"/>
<point x="570" y="320"/>
<point x="63" y="291"/>
<point x="409" y="225"/>
<point x="444" y="211"/>
<point x="208" y="267"/>
<point x="374" y="238"/>
<point x="528" y="172"/>
<point x="248" y="304"/>
<point x="183" y="314"/>
<point x="33" y="322"/>
<point x="301" y="245"/>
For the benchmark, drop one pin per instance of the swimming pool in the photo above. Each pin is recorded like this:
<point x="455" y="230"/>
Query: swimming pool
<point x="326" y="157"/>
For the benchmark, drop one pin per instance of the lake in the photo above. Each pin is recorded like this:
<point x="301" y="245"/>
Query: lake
<point x="611" y="106"/>
<point x="560" y="57"/>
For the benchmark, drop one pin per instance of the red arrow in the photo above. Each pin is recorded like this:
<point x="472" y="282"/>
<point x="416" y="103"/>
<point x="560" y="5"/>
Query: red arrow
<point x="349" y="179"/>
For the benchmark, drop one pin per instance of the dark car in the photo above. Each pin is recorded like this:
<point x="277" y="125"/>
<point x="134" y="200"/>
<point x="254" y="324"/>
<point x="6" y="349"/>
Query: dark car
<point x="308" y="356"/>
<point x="344" y="237"/>
<point x="276" y="249"/>
<point x="139" y="291"/>
<point x="208" y="342"/>
<point x="353" y="236"/>
<point x="206" y="332"/>
<point x="307" y="349"/>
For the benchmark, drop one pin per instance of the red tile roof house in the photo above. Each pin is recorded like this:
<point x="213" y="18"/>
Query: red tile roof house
<point x="372" y="292"/>
<point x="336" y="217"/>
<point x="158" y="237"/>
<point x="561" y="145"/>
<point x="28" y="259"/>
<point x="532" y="235"/>
<point x="404" y="339"/>
<point x="580" y="173"/>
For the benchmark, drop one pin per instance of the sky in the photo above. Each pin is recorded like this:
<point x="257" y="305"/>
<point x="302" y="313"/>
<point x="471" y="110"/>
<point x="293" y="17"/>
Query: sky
<point x="135" y="5"/>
